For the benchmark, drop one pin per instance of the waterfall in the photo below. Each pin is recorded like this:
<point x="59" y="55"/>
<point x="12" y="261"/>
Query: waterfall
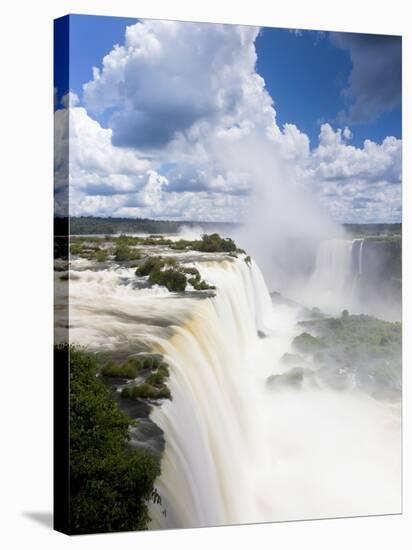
<point x="235" y="453"/>
<point x="360" y="270"/>
<point x="235" y="450"/>
<point x="334" y="283"/>
<point x="208" y="425"/>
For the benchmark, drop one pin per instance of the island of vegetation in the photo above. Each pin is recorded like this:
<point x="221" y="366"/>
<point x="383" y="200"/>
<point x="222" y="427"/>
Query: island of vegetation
<point x="350" y="350"/>
<point x="159" y="270"/>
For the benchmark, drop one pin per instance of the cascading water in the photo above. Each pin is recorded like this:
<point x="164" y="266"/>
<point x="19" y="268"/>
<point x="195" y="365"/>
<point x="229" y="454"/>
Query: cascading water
<point x="360" y="263"/>
<point x="236" y="451"/>
<point x="334" y="283"/>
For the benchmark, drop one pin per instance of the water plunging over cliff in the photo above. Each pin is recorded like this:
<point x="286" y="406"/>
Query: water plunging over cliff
<point x="236" y="452"/>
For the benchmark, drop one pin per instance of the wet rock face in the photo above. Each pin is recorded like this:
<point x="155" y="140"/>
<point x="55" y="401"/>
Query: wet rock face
<point x="382" y="258"/>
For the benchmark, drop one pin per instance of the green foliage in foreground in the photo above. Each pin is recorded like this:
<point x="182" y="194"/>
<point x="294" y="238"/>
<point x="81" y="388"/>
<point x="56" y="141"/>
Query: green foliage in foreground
<point x="110" y="484"/>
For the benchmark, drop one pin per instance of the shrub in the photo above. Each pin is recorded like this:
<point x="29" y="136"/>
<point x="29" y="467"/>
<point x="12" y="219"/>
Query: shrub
<point x="101" y="254"/>
<point x="129" y="369"/>
<point x="306" y="343"/>
<point x="150" y="264"/>
<point x="76" y="249"/>
<point x="146" y="391"/>
<point x="215" y="243"/>
<point x="125" y="254"/>
<point x="110" y="483"/>
<point x="164" y="368"/>
<point x="192" y="271"/>
<point x="172" y="279"/>
<point x="200" y="285"/>
<point x="156" y="378"/>
<point x="149" y="362"/>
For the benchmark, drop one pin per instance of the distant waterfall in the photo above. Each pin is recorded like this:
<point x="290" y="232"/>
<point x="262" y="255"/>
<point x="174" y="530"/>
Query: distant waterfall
<point x="360" y="270"/>
<point x="334" y="283"/>
<point x="357" y="256"/>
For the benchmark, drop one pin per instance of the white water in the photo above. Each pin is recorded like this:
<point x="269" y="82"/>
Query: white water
<point x="360" y="268"/>
<point x="237" y="451"/>
<point x="334" y="283"/>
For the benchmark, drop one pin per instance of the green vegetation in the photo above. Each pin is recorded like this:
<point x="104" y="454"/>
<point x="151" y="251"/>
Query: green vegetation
<point x="208" y="243"/>
<point x="160" y="270"/>
<point x="101" y="255"/>
<point x="153" y="387"/>
<point x="306" y="343"/>
<point x="150" y="264"/>
<point x="364" y="229"/>
<point x="248" y="260"/>
<point x="85" y="225"/>
<point x="146" y="391"/>
<point x="361" y="336"/>
<point x="167" y="272"/>
<point x="132" y="367"/>
<point x="356" y="347"/>
<point x="172" y="279"/>
<point x="110" y="483"/>
<point x="89" y="249"/>
<point x="124" y="253"/>
<point x="129" y="369"/>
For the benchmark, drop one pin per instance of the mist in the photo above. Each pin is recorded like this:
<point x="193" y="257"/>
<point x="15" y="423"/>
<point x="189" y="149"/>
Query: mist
<point x="305" y="254"/>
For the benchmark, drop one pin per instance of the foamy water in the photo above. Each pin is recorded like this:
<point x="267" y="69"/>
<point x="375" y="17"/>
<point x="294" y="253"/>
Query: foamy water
<point x="236" y="450"/>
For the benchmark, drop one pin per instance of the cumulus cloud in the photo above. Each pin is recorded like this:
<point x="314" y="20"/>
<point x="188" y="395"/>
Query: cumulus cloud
<point x="192" y="133"/>
<point x="168" y="75"/>
<point x="375" y="83"/>
<point x="358" y="183"/>
<point x="106" y="180"/>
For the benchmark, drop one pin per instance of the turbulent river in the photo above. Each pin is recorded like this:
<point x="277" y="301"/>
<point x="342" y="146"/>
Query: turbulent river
<point x="236" y="450"/>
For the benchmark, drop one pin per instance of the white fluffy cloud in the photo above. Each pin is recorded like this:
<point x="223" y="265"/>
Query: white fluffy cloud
<point x="358" y="184"/>
<point x="192" y="129"/>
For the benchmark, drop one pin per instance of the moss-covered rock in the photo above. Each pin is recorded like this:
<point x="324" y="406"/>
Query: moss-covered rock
<point x="306" y="343"/>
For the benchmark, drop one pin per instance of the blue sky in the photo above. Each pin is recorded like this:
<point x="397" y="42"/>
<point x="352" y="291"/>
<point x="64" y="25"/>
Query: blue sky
<point x="304" y="72"/>
<point x="316" y="80"/>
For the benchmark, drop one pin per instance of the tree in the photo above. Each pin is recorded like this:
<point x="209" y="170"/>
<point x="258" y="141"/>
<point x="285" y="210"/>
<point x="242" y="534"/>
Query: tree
<point x="110" y="483"/>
